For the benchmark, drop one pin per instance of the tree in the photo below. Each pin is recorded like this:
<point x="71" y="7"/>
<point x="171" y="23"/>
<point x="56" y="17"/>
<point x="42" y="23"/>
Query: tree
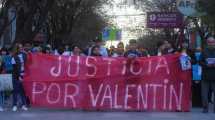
<point x="61" y="19"/>
<point x="77" y="21"/>
<point x="207" y="6"/>
<point x="157" y="5"/>
<point x="170" y="34"/>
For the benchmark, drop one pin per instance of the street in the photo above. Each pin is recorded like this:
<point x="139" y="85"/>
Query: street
<point x="47" y="114"/>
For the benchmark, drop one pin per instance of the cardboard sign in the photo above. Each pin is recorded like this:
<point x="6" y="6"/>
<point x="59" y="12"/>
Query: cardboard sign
<point x="6" y="82"/>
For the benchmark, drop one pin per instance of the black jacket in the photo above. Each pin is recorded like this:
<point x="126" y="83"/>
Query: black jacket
<point x="16" y="68"/>
<point x="208" y="72"/>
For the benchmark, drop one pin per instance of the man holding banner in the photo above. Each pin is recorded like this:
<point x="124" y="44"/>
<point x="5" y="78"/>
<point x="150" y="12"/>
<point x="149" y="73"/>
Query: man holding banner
<point x="18" y="61"/>
<point x="208" y="64"/>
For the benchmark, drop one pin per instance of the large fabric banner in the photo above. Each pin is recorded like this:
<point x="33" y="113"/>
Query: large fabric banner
<point x="96" y="83"/>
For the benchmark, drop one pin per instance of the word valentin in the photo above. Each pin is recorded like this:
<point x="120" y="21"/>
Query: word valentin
<point x="134" y="96"/>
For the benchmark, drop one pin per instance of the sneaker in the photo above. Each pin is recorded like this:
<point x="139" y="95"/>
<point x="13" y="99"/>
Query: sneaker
<point x="14" y="108"/>
<point x="24" y="108"/>
<point x="1" y="109"/>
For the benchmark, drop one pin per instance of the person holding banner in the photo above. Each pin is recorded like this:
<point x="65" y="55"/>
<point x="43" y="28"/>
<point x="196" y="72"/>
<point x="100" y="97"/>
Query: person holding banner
<point x="208" y="75"/>
<point x="96" y="51"/>
<point x="99" y="43"/>
<point x="185" y="59"/>
<point x="120" y="50"/>
<point x="18" y="61"/>
<point x="165" y="48"/>
<point x="76" y="51"/>
<point x="132" y="52"/>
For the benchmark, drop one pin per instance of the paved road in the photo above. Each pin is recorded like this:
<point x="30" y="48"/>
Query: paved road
<point x="47" y="114"/>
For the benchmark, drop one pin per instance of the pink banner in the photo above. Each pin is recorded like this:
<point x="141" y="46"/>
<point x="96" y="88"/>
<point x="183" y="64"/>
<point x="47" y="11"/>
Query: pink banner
<point x="95" y="83"/>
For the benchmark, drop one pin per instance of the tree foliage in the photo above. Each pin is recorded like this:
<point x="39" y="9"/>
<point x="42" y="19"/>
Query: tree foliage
<point x="65" y="21"/>
<point x="208" y="7"/>
<point x="158" y="5"/>
<point x="153" y="36"/>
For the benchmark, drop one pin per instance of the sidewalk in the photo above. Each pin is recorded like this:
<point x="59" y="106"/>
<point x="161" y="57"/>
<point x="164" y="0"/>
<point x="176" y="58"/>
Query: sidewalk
<point x="50" y="114"/>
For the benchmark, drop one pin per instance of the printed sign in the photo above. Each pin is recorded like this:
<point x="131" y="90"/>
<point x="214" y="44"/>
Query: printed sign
<point x="164" y="20"/>
<point x="188" y="8"/>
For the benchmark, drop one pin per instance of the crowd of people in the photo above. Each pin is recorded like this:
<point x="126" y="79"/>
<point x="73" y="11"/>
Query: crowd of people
<point x="12" y="62"/>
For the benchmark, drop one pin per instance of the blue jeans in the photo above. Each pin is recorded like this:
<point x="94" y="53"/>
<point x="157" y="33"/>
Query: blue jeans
<point x="1" y="98"/>
<point x="18" y="90"/>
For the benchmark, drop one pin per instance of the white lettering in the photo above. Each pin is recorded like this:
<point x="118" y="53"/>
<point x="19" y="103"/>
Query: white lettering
<point x="109" y="60"/>
<point x="107" y="95"/>
<point x="53" y="71"/>
<point x="140" y="95"/>
<point x="51" y="92"/>
<point x="93" y="98"/>
<point x="178" y="99"/>
<point x="155" y="86"/>
<point x="36" y="91"/>
<point x="127" y="95"/>
<point x="124" y="67"/>
<point x="91" y="66"/>
<point x="116" y="106"/>
<point x="166" y="81"/>
<point x="78" y="67"/>
<point x="70" y="96"/>
<point x="162" y="63"/>
<point x="132" y="69"/>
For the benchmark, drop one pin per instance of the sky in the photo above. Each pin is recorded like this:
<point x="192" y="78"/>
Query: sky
<point x="127" y="18"/>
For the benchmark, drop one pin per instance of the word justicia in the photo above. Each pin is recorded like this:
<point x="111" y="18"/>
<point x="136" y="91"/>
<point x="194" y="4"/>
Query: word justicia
<point x="89" y="67"/>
